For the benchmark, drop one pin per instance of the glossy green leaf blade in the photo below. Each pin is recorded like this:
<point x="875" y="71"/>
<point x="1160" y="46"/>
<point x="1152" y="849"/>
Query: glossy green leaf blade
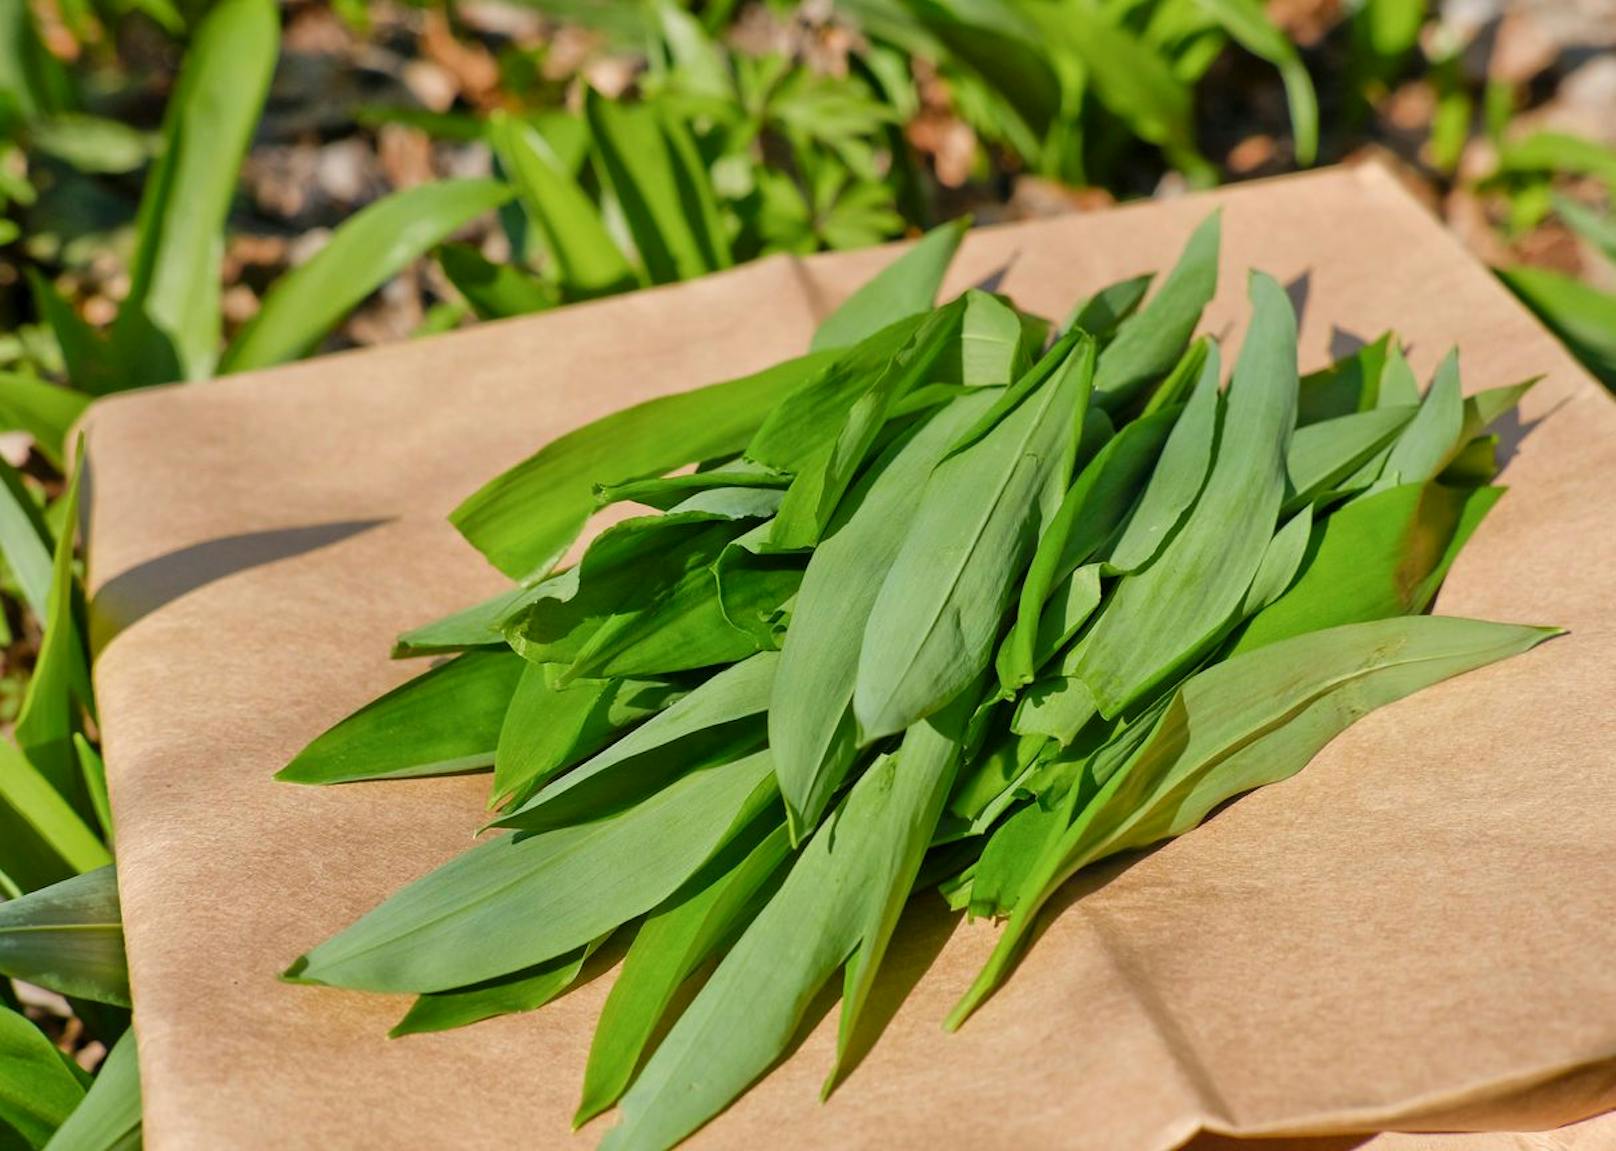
<point x="928" y="760"/>
<point x="670" y="945"/>
<point x="659" y="745"/>
<point x="524" y="518"/>
<point x="25" y="541"/>
<point x="1149" y="343"/>
<point x="903" y="288"/>
<point x="1095" y="506"/>
<point x="810" y="712"/>
<point x="1328" y="451"/>
<point x="37" y="1091"/>
<point x="587" y="258"/>
<point x="992" y="343"/>
<point x="1597" y="229"/>
<point x="932" y="627"/>
<point x="1179" y="475"/>
<point x="1280" y="562"/>
<point x="1243" y="723"/>
<point x="444" y="721"/>
<point x="518" y="900"/>
<point x="1102" y="313"/>
<point x="168" y="325"/>
<point x="45" y="411"/>
<point x="812" y="499"/>
<point x="1383" y="555"/>
<point x="652" y="168"/>
<point x="45" y="839"/>
<point x="1164" y="615"/>
<point x="549" y="726"/>
<point x="93" y="769"/>
<point x="1351" y="384"/>
<point x="92" y="367"/>
<point x="512" y="994"/>
<point x="367" y="250"/>
<point x="60" y="686"/>
<point x="109" y="1117"/>
<point x="747" y="1013"/>
<point x="1432" y="436"/>
<point x="480" y="625"/>
<point x="68" y="938"/>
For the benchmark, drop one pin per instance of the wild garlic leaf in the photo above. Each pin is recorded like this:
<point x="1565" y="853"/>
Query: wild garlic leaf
<point x="627" y="570"/>
<point x="1383" y="555"/>
<point x="68" y="938"/>
<point x="1092" y="510"/>
<point x="663" y="492"/>
<point x="518" y="900"/>
<point x="992" y="345"/>
<point x="445" y="720"/>
<point x="808" y="420"/>
<point x="480" y="625"/>
<point x="1432" y="436"/>
<point x="810" y="713"/>
<point x="1242" y="723"/>
<point x="1103" y="312"/>
<point x="711" y="719"/>
<point x="1326" y="452"/>
<point x="670" y="945"/>
<point x="549" y="726"/>
<point x="746" y="1014"/>
<point x="904" y="287"/>
<point x="526" y="517"/>
<point x="1148" y="343"/>
<point x="1280" y="562"/>
<point x="45" y="838"/>
<point x="25" y="540"/>
<point x="1164" y="615"/>
<point x="932" y="627"/>
<point x="526" y="990"/>
<point x="755" y="586"/>
<point x="1351" y="384"/>
<point x="811" y="500"/>
<point x="1179" y="474"/>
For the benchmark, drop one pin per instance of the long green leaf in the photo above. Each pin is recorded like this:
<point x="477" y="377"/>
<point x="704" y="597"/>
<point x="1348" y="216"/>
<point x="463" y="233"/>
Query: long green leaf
<point x="1149" y="343"/>
<point x="932" y="627"/>
<point x="711" y="719"/>
<point x="168" y="326"/>
<point x="444" y="721"/>
<point x="521" y="991"/>
<point x="810" y="713"/>
<point x="670" y="945"/>
<point x="68" y="938"/>
<point x="1249" y="25"/>
<point x="652" y="167"/>
<point x="905" y="287"/>
<point x="1582" y="316"/>
<point x="1245" y="722"/>
<point x="51" y="829"/>
<point x="109" y="1118"/>
<point x="524" y="518"/>
<point x="61" y="681"/>
<point x="25" y="541"/>
<point x="1383" y="555"/>
<point x="367" y="250"/>
<point x="37" y="1091"/>
<point x="587" y="258"/>
<point x="1168" y="612"/>
<point x="519" y="900"/>
<point x="550" y="726"/>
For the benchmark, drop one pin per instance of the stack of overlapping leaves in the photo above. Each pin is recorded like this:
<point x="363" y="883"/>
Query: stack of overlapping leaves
<point x="961" y="600"/>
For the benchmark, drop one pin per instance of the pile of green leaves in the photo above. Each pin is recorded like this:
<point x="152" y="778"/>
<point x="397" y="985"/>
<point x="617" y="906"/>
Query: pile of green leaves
<point x="951" y="601"/>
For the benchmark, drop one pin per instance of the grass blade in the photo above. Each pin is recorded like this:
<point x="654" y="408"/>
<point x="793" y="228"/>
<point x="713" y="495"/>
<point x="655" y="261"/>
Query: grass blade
<point x="905" y="287"/>
<point x="38" y="1091"/>
<point x="109" y="1117"/>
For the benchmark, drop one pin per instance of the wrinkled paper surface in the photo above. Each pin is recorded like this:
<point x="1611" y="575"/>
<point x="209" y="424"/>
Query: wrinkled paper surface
<point x="1414" y="933"/>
